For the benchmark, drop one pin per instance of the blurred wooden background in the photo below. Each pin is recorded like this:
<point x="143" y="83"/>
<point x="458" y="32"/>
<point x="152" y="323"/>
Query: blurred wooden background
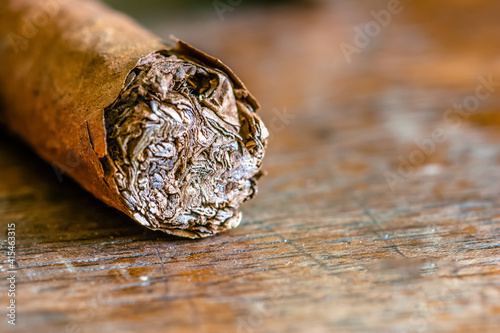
<point x="380" y="211"/>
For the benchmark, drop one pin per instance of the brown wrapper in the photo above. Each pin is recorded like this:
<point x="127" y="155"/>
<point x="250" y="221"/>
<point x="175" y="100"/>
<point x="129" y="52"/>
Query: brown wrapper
<point x="76" y="77"/>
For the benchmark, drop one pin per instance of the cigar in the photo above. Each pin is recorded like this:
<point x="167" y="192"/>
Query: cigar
<point x="161" y="131"/>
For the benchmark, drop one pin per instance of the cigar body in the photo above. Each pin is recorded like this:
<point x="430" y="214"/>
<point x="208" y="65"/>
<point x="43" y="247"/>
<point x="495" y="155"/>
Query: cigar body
<point x="65" y="62"/>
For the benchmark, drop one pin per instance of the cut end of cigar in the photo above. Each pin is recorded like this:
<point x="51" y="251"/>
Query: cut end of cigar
<point x="184" y="149"/>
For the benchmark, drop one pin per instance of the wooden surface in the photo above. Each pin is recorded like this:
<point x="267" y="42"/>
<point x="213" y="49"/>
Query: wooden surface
<point x="328" y="245"/>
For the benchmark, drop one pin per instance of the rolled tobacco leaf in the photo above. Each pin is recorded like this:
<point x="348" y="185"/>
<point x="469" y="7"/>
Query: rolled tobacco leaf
<point x="166" y="134"/>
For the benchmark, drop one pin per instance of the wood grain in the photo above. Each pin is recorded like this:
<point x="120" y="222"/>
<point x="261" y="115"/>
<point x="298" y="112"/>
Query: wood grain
<point x="328" y="245"/>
